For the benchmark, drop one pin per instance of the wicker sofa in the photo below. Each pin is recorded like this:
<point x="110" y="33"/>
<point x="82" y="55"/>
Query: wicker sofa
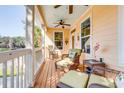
<point x="74" y="79"/>
<point x="70" y="60"/>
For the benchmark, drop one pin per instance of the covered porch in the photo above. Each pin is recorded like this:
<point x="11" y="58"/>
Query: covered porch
<point x="93" y="29"/>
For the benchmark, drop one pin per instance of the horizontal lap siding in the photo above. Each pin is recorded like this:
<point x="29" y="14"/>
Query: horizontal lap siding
<point x="104" y="19"/>
<point x="105" y="31"/>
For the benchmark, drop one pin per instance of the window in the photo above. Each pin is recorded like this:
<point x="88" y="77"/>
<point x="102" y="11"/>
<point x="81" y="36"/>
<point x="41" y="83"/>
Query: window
<point x="85" y="36"/>
<point x="58" y="39"/>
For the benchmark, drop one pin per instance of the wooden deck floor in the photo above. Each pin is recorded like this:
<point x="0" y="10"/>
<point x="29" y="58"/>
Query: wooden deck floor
<point x="48" y="75"/>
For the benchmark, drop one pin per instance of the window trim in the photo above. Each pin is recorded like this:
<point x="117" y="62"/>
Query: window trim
<point x="54" y="39"/>
<point x="91" y="44"/>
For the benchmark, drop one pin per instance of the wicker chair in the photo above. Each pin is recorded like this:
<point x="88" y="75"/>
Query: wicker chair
<point x="74" y="59"/>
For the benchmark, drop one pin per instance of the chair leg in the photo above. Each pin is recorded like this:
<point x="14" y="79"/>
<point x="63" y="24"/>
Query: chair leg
<point x="55" y="66"/>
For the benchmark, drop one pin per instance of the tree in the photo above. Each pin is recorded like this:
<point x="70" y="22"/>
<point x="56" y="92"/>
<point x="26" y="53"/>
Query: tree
<point x="19" y="42"/>
<point x="0" y="39"/>
<point x="12" y="42"/>
<point x="5" y="41"/>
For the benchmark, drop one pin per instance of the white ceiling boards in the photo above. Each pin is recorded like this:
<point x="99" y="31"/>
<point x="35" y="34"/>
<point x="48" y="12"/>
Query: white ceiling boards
<point x="53" y="15"/>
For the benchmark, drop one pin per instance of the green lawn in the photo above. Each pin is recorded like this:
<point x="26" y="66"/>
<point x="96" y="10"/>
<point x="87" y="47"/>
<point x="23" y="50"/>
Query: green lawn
<point x="4" y="49"/>
<point x="8" y="73"/>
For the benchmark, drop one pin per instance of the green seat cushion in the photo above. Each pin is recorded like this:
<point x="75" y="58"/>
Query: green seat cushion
<point x="72" y="55"/>
<point x="95" y="79"/>
<point x="75" y="79"/>
<point x="65" y="62"/>
<point x="78" y="51"/>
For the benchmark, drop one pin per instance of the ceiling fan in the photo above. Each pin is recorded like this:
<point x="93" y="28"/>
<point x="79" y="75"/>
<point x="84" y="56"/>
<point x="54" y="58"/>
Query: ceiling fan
<point x="70" y="8"/>
<point x="62" y="23"/>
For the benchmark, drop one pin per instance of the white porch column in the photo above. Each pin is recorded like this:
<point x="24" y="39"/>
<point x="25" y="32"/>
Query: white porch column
<point x="30" y="42"/>
<point x="29" y="26"/>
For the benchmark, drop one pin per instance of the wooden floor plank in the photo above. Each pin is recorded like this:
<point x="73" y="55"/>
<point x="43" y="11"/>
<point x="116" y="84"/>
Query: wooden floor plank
<point x="48" y="76"/>
<point x="58" y="75"/>
<point x="46" y="69"/>
<point x="40" y="79"/>
<point x="48" y="81"/>
<point x="38" y="74"/>
<point x="53" y="77"/>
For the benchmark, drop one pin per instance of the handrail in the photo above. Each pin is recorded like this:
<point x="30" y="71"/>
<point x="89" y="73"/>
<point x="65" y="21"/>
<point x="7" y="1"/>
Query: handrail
<point x="37" y="49"/>
<point x="8" y="55"/>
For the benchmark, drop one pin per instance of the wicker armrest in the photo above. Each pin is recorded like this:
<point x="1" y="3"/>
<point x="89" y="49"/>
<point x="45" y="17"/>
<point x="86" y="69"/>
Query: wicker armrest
<point x="64" y="56"/>
<point x="110" y="73"/>
<point x="77" y="58"/>
<point x="94" y="85"/>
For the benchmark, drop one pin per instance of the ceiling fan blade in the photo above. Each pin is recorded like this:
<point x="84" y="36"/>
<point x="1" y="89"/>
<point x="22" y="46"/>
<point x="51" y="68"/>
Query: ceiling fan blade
<point x="57" y="6"/>
<point x="85" y="5"/>
<point x="67" y="24"/>
<point x="70" y="9"/>
<point x="57" y="25"/>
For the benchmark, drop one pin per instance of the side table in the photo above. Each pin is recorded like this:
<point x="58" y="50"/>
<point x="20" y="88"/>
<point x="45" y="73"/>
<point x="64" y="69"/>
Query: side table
<point x="93" y="64"/>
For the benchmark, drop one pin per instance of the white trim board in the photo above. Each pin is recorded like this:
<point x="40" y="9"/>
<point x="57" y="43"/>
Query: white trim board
<point x="121" y="36"/>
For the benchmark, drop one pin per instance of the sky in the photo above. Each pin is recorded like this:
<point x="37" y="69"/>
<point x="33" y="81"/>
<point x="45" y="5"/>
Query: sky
<point x="11" y="20"/>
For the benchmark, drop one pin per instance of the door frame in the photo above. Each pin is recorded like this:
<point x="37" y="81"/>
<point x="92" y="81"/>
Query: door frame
<point x="72" y="33"/>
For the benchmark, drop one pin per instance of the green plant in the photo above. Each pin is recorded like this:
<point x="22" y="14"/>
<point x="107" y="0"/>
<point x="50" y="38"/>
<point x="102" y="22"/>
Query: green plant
<point x="37" y="37"/>
<point x="8" y="73"/>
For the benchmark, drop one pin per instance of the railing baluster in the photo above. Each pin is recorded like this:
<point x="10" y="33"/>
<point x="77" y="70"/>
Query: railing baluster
<point x="17" y="73"/>
<point x="22" y="72"/>
<point x="29" y="69"/>
<point x="4" y="74"/>
<point x="25" y="71"/>
<point x="12" y="74"/>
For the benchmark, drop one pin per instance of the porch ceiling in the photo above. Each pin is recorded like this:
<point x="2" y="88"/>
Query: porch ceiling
<point x="53" y="15"/>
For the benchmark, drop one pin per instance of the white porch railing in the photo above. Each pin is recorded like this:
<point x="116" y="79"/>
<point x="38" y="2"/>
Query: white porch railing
<point x="16" y="68"/>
